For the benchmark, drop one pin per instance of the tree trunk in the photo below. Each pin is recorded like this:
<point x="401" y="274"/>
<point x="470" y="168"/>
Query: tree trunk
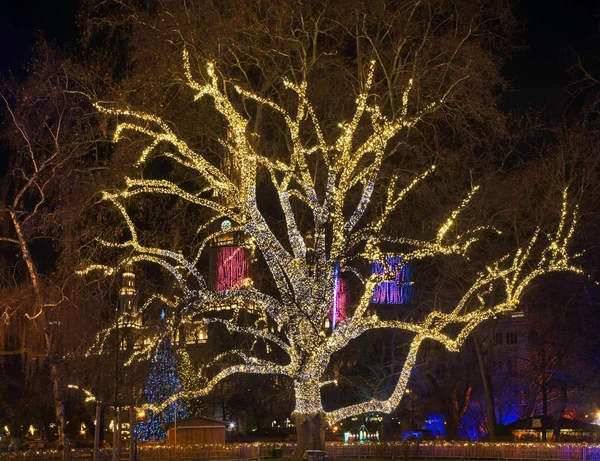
<point x="451" y="428"/>
<point x="544" y="407"/>
<point x="559" y="412"/>
<point x="457" y="411"/>
<point x="488" y="392"/>
<point x="98" y="431"/>
<point x="59" y="408"/>
<point x="544" y="394"/>
<point x="310" y="432"/>
<point x="55" y="375"/>
<point x="387" y="432"/>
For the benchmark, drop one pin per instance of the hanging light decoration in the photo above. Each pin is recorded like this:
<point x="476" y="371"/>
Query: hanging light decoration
<point x="396" y="291"/>
<point x="232" y="266"/>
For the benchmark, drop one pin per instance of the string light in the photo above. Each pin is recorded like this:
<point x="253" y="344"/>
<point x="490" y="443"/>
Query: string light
<point x="306" y="280"/>
<point x="89" y="397"/>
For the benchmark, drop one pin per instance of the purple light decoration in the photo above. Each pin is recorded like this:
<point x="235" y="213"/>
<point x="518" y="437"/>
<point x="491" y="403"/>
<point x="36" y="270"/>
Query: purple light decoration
<point x="232" y="268"/>
<point x="397" y="291"/>
<point x="338" y="309"/>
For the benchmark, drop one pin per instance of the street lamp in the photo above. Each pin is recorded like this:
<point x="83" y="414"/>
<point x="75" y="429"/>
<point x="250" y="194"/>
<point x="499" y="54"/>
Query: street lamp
<point x="175" y="428"/>
<point x="141" y="414"/>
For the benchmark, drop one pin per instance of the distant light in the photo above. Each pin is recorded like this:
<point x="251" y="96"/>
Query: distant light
<point x="232" y="426"/>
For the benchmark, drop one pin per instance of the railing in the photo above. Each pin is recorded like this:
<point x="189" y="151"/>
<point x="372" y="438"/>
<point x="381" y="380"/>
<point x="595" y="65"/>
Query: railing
<point x="391" y="450"/>
<point x="466" y="450"/>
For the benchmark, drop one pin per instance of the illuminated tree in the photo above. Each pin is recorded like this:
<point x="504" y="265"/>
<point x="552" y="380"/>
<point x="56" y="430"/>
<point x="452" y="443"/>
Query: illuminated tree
<point x="337" y="198"/>
<point x="189" y="382"/>
<point x="162" y="383"/>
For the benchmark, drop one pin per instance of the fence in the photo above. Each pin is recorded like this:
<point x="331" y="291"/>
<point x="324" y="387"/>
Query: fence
<point x="392" y="450"/>
<point x="466" y="450"/>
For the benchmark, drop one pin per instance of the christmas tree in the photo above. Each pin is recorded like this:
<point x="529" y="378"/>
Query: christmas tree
<point x="189" y="380"/>
<point x="162" y="383"/>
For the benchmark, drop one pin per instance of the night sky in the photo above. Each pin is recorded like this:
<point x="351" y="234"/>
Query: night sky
<point x="22" y="20"/>
<point x="555" y="31"/>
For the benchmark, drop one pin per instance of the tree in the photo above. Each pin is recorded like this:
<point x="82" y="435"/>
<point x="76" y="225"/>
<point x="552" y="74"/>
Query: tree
<point x="451" y="381"/>
<point x="50" y="136"/>
<point x="189" y="381"/>
<point x="312" y="197"/>
<point x="162" y="383"/>
<point x="551" y="372"/>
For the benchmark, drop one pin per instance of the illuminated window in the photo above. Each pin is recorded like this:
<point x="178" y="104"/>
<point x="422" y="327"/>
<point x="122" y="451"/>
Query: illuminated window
<point x="196" y="333"/>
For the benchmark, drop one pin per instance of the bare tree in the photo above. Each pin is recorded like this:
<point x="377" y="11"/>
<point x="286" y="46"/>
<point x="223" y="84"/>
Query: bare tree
<point x="48" y="134"/>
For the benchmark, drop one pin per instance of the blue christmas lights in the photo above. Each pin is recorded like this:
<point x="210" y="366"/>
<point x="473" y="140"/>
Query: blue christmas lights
<point x="162" y="383"/>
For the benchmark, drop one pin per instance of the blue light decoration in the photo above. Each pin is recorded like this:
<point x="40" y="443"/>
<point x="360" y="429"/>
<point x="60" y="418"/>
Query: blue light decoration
<point x="412" y="435"/>
<point x="162" y="383"/>
<point x="471" y="428"/>
<point x="436" y="425"/>
<point x="397" y="291"/>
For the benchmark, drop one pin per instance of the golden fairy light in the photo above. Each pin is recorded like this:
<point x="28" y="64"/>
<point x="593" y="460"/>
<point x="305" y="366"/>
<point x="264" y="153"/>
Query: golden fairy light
<point x="305" y="279"/>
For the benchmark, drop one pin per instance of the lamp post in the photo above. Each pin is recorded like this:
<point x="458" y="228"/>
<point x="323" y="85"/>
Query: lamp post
<point x="116" y="452"/>
<point x="175" y="427"/>
<point x="139" y="416"/>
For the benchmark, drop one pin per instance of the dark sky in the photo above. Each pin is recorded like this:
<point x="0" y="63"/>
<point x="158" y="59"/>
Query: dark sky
<point x="554" y="31"/>
<point x="22" y="20"/>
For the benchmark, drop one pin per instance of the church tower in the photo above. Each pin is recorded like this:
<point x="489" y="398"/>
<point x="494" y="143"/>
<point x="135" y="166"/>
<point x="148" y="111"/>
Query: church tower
<point x="128" y="299"/>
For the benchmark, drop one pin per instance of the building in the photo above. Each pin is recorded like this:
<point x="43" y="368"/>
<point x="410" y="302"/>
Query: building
<point x="195" y="431"/>
<point x="568" y="430"/>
